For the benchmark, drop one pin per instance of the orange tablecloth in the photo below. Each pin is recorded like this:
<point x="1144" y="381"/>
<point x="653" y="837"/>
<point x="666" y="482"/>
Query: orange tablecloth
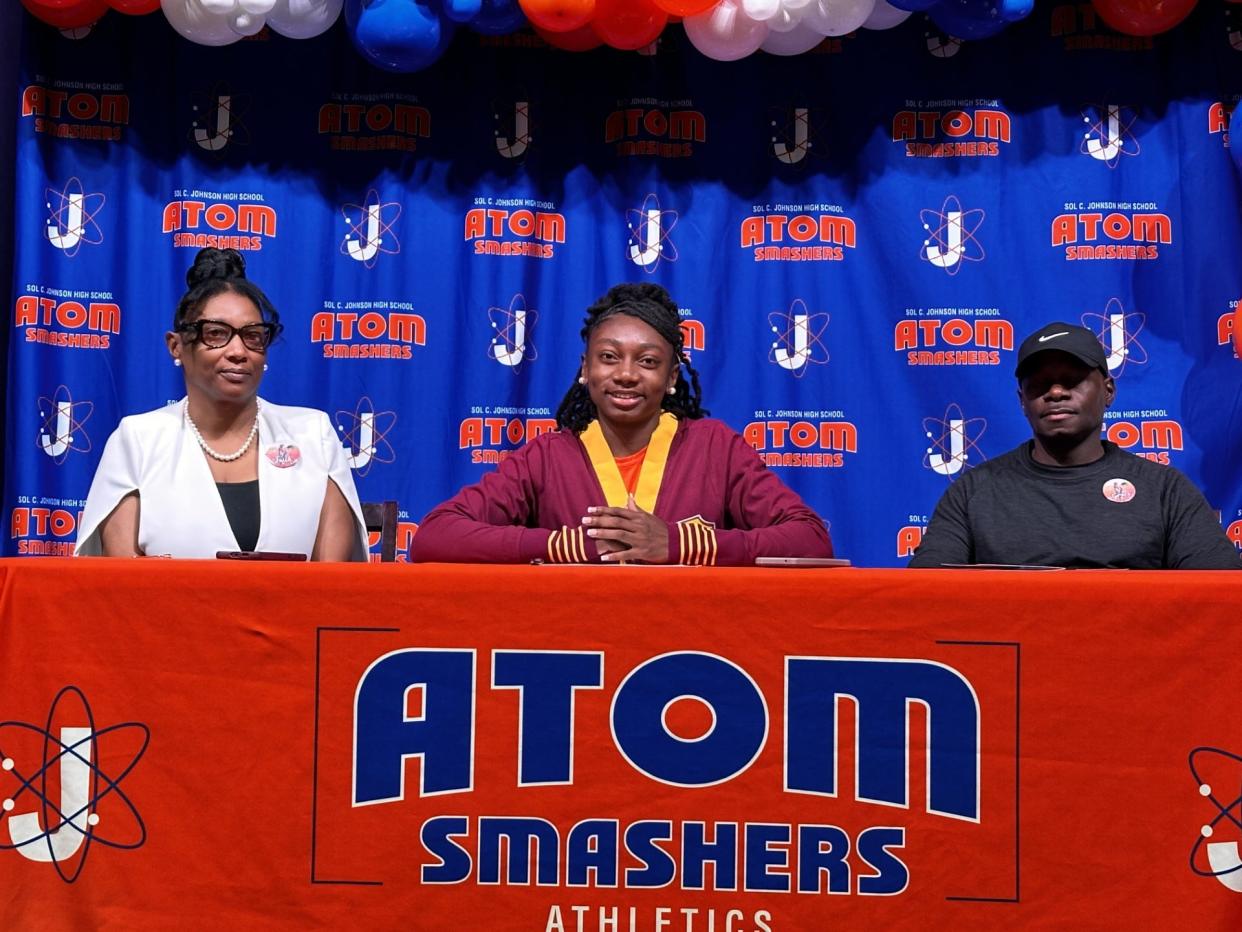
<point x="224" y="713"/>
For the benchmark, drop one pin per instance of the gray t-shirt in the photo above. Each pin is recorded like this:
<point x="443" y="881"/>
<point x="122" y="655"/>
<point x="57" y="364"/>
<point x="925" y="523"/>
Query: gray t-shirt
<point x="1120" y="511"/>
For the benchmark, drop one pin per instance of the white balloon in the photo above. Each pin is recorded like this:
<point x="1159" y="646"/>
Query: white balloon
<point x="885" y="16"/>
<point x="245" y="24"/>
<point x="217" y="7"/>
<point x="795" y="42"/>
<point x="837" y="17"/>
<point x="794" y="6"/>
<point x="257" y="7"/>
<point x="198" y="25"/>
<point x="725" y="32"/>
<point x="761" y="10"/>
<point x="303" y="19"/>
<point x="784" y="21"/>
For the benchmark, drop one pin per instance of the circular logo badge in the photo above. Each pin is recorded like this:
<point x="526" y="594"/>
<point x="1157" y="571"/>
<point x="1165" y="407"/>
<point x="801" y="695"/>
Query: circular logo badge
<point x="1119" y="490"/>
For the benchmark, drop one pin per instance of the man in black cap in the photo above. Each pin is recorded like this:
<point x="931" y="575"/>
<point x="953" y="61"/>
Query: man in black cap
<point x="1067" y="497"/>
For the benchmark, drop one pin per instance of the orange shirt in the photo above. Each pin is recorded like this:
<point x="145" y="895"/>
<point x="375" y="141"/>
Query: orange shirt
<point x="630" y="467"/>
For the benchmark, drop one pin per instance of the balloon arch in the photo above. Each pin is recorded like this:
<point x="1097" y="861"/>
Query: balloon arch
<point x="409" y="35"/>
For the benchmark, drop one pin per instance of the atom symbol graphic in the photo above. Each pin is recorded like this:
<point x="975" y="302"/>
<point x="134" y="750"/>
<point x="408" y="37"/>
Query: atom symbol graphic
<point x="939" y="43"/>
<point x="1233" y="27"/>
<point x="61" y="428"/>
<point x="71" y="217"/>
<point x="952" y="241"/>
<point x="364" y="434"/>
<point x="89" y="796"/>
<point x="1222" y="860"/>
<point x="649" y="228"/>
<point x="798" y="340"/>
<point x="365" y="239"/>
<point x="512" y="346"/>
<point x="793" y="135"/>
<point x="225" y="109"/>
<point x="1118" y="333"/>
<point x="514" y="146"/>
<point x="1108" y="136"/>
<point x="954" y="438"/>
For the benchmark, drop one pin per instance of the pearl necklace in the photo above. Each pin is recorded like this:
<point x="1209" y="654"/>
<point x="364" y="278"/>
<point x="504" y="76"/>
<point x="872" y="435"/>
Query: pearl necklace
<point x="216" y="454"/>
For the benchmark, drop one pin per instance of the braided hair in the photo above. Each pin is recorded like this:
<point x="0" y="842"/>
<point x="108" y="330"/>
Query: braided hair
<point x="652" y="305"/>
<point x="220" y="271"/>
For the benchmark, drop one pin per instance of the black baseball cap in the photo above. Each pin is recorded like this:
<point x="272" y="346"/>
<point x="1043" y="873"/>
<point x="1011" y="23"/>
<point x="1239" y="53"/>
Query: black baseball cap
<point x="1079" y="342"/>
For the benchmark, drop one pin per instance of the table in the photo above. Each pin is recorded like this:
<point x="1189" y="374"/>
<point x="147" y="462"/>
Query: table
<point x="617" y="749"/>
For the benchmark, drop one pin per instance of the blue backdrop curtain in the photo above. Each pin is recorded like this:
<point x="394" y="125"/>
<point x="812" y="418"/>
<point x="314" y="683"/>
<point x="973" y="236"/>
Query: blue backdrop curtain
<point x="858" y="237"/>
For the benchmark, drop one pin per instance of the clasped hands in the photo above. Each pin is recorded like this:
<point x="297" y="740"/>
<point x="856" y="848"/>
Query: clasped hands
<point x="629" y="534"/>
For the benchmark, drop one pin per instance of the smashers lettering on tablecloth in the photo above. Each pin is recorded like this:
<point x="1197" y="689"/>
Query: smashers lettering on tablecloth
<point x="602" y="851"/>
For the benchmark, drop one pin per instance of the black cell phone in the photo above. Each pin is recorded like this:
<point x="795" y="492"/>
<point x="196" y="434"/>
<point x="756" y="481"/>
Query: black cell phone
<point x="258" y="555"/>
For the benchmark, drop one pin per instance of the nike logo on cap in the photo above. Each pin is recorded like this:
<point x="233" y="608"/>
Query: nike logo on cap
<point x="1053" y="336"/>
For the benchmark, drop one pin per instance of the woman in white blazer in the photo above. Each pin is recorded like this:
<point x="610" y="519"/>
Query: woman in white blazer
<point x="223" y="469"/>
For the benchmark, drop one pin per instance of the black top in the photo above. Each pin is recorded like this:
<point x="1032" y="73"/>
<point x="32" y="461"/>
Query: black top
<point x="1120" y="511"/>
<point x="241" y="505"/>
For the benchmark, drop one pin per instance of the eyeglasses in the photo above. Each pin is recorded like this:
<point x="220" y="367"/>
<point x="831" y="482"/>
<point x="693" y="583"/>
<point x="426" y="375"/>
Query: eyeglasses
<point x="214" y="334"/>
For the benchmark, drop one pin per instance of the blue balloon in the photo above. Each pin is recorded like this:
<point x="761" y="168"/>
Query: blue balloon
<point x="499" y="18"/>
<point x="968" y="19"/>
<point x="913" y="6"/>
<point x="460" y="11"/>
<point x="397" y="35"/>
<point x="1014" y="10"/>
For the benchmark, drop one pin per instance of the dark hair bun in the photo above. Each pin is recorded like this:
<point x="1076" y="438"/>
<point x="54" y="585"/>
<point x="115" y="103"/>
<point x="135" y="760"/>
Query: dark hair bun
<point x="215" y="263"/>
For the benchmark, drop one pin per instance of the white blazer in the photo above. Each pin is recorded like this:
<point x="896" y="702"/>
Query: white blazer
<point x="181" y="514"/>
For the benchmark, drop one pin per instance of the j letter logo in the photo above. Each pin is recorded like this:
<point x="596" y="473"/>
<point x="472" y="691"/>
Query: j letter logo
<point x="214" y="141"/>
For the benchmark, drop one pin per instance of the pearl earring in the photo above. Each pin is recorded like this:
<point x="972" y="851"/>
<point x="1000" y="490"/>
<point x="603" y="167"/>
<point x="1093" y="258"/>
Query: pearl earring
<point x="177" y="363"/>
<point x="265" y="367"/>
<point x="672" y="390"/>
<point x="582" y="380"/>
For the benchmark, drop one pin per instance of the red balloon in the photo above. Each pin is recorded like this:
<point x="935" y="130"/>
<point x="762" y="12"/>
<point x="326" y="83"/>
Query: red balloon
<point x="692" y="7"/>
<point x="135" y="7"/>
<point x="628" y="24"/>
<point x="580" y="40"/>
<point x="1143" y="17"/>
<point x="67" y="14"/>
<point x="558" y="15"/>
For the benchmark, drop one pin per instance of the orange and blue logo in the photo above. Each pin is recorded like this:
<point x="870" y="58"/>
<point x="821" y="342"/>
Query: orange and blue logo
<point x="384" y="122"/>
<point x="817" y="439"/>
<point x="1080" y="29"/>
<point x="68" y="319"/>
<point x="92" y="112"/>
<point x="368" y="329"/>
<point x="1148" y="432"/>
<point x="1220" y="115"/>
<point x="948" y="337"/>
<point x="492" y="432"/>
<point x="1112" y="230"/>
<point x="666" y="130"/>
<point x="514" y="226"/>
<point x="965" y="129"/>
<point x="798" y="233"/>
<point x="222" y="219"/>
